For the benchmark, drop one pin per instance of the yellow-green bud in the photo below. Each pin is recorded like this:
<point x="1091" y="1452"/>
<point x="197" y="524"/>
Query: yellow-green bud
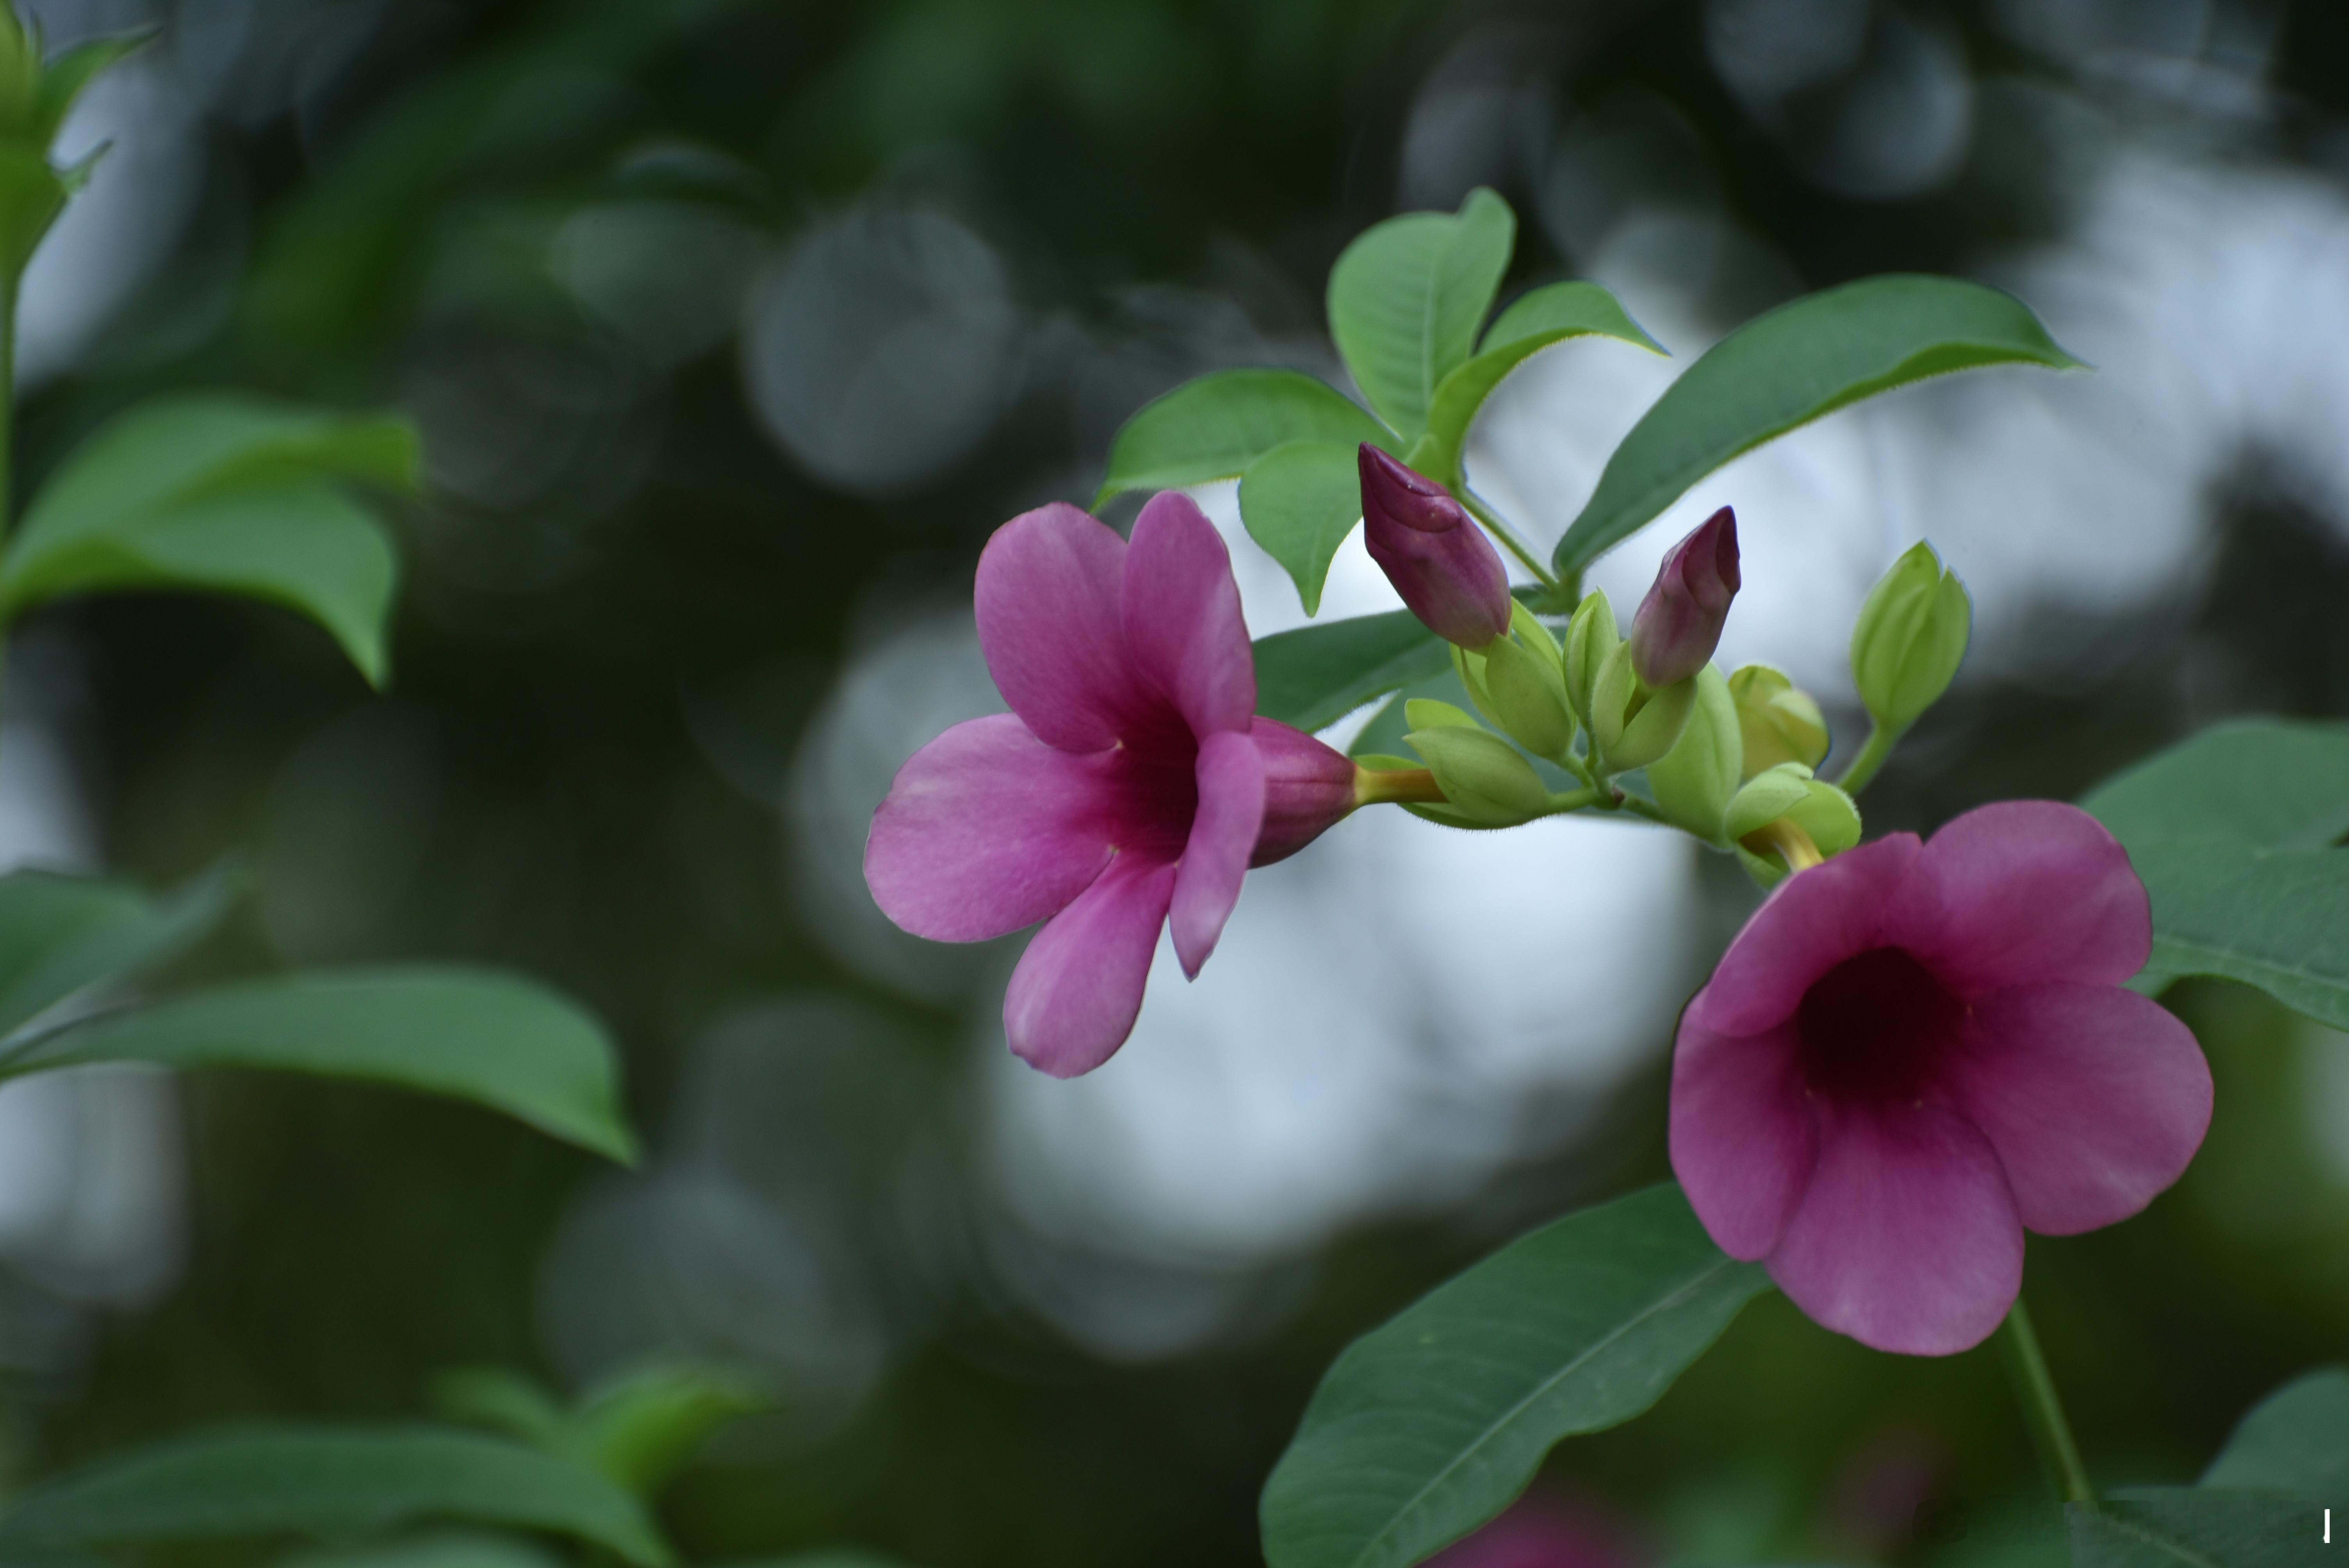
<point x="1777" y="719"/>
<point x="1695" y="781"/>
<point x="1526" y="695"/>
<point x="1590" y="637"/>
<point x="1630" y="732"/>
<point x="1483" y="777"/>
<point x="1825" y="814"/>
<point x="1909" y="639"/>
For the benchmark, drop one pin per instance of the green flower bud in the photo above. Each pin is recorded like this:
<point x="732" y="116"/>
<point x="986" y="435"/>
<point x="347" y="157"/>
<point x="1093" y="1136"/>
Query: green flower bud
<point x="1825" y="814"/>
<point x="1777" y="719"/>
<point x="1426" y="713"/>
<point x="1911" y="637"/>
<point x="1469" y="667"/>
<point x="1694" y="780"/>
<point x="1590" y="636"/>
<point x="1526" y="695"/>
<point x="1483" y="777"/>
<point x="1630" y="731"/>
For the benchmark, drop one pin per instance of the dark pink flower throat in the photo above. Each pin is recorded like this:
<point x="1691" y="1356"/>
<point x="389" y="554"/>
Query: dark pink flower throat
<point x="1877" y="1030"/>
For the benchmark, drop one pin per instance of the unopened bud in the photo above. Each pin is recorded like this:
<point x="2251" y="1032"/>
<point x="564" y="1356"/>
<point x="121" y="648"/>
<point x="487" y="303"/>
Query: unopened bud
<point x="1631" y="727"/>
<point x="1483" y="777"/>
<point x="1910" y="638"/>
<point x="1590" y="637"/>
<point x="1526" y="695"/>
<point x="1695" y="781"/>
<point x="1307" y="789"/>
<point x="1823" y="813"/>
<point x="1437" y="558"/>
<point x="1777" y="719"/>
<point x="1679" y="622"/>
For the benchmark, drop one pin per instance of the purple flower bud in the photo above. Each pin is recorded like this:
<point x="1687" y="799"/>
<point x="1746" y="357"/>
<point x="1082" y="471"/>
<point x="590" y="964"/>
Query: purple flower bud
<point x="1436" y="557"/>
<point x="1308" y="788"/>
<point x="1679" y="622"/>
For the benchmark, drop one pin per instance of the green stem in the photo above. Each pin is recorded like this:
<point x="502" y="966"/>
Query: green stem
<point x="1508" y="536"/>
<point x="2043" y="1411"/>
<point x="1881" y="742"/>
<point x="1573" y="800"/>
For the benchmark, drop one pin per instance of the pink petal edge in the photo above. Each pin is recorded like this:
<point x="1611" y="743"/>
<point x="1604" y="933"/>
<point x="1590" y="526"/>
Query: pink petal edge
<point x="1078" y="988"/>
<point x="1222" y="835"/>
<point x="1182" y="612"/>
<point x="1049" y="623"/>
<point x="1743" y="1137"/>
<point x="1814" y="920"/>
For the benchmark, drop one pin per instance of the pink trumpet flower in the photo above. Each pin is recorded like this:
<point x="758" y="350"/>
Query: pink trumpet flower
<point x="1679" y="622"/>
<point x="1129" y="786"/>
<point x="1916" y="1051"/>
<point x="1437" y="558"/>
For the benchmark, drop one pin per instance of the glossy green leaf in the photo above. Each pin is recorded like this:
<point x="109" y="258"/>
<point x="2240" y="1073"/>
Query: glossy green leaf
<point x="2279" y="784"/>
<point x="1430" y="1426"/>
<point x="477" y="1035"/>
<point x="1782" y="370"/>
<point x="60" y="935"/>
<point x="1216" y="427"/>
<point x="2295" y="1441"/>
<point x="2276" y="919"/>
<point x="1300" y="501"/>
<point x="328" y="1481"/>
<point x="1541" y="319"/>
<point x="1407" y="296"/>
<point x="1316" y="676"/>
<point x="225" y="494"/>
<point x="2179" y="1527"/>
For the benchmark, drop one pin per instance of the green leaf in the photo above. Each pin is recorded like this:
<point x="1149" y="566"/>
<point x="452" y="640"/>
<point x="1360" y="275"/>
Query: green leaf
<point x="1300" y="501"/>
<point x="639" y="1428"/>
<point x="225" y="494"/>
<point x="31" y="194"/>
<point x="2276" y="919"/>
<point x="476" y="1035"/>
<point x="328" y="1481"/>
<point x="1430" y="1426"/>
<point x="1315" y="675"/>
<point x="1216" y="427"/>
<point x="1407" y="296"/>
<point x="1542" y="318"/>
<point x="1783" y="369"/>
<point x="2177" y="1527"/>
<point x="60" y="935"/>
<point x="2279" y="784"/>
<point x="441" y="1549"/>
<point x="64" y="78"/>
<point x="2295" y="1441"/>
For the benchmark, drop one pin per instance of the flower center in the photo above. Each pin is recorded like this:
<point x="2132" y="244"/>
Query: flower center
<point x="1156" y="767"/>
<point x="1876" y="1028"/>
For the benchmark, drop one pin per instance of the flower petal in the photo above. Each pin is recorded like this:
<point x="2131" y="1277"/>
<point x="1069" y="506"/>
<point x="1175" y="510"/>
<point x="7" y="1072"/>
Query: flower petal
<point x="1078" y="989"/>
<point x="2023" y="892"/>
<point x="1047" y="602"/>
<point x="1908" y="1239"/>
<point x="1182" y="612"/>
<point x="1743" y="1136"/>
<point x="1815" y="921"/>
<point x="986" y="830"/>
<point x="1222" y="835"/>
<point x="2095" y="1097"/>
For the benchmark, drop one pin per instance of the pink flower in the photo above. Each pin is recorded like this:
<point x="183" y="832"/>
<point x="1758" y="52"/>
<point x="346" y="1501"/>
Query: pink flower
<point x="1679" y="622"/>
<point x="1915" y="1051"/>
<point x="1129" y="786"/>
<point x="1437" y="558"/>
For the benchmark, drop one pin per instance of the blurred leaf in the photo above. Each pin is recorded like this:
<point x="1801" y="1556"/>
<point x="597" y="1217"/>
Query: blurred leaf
<point x="2177" y="1527"/>
<point x="449" y="1549"/>
<point x="478" y="1035"/>
<point x="1300" y="501"/>
<point x="227" y="494"/>
<point x="1788" y="367"/>
<point x="2295" y="1441"/>
<point x="1541" y="319"/>
<point x="1429" y="1426"/>
<point x="61" y="933"/>
<point x="1316" y="676"/>
<point x="332" y="1480"/>
<point x="31" y="194"/>
<point x="503" y="1401"/>
<point x="2276" y="919"/>
<point x="2281" y="784"/>
<point x="1216" y="427"/>
<point x="1407" y="296"/>
<point x="839" y="1557"/>
<point x="638" y="1428"/>
<point x="64" y="78"/>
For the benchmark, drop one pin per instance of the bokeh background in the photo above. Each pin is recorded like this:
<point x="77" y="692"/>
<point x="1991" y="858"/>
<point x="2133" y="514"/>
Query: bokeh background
<point x="732" y="329"/>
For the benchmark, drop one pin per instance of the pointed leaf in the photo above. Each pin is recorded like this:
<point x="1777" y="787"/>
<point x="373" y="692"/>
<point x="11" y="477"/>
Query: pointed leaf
<point x="1545" y="317"/>
<point x="1300" y="501"/>
<point x="2279" y="784"/>
<point x="1315" y="675"/>
<point x="1407" y="296"/>
<point x="1431" y="1426"/>
<point x="477" y="1035"/>
<point x="59" y="934"/>
<point x="2276" y="919"/>
<point x="1216" y="427"/>
<point x="2178" y="1527"/>
<point x="2295" y="1443"/>
<point x="1785" y="369"/>
<point x="224" y="494"/>
<point x="330" y="1480"/>
<point x="643" y="1426"/>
